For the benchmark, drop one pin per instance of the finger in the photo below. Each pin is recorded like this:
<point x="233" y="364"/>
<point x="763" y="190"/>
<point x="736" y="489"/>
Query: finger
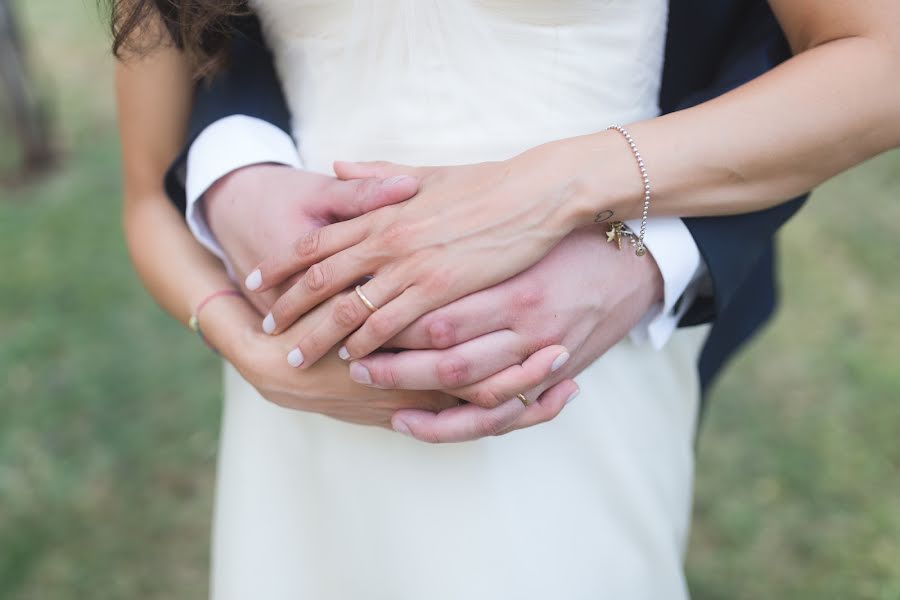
<point x="307" y="250"/>
<point x="471" y="422"/>
<point x="345" y="317"/>
<point x="320" y="282"/>
<point x="351" y="199"/>
<point x="378" y="169"/>
<point x="499" y="388"/>
<point x="459" y="424"/>
<point x="386" y="322"/>
<point x="461" y="365"/>
<point x="465" y="319"/>
<point x="548" y="405"/>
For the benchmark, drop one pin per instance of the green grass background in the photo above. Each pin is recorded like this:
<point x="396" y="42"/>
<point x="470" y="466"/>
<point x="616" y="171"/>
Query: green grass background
<point x="109" y="411"/>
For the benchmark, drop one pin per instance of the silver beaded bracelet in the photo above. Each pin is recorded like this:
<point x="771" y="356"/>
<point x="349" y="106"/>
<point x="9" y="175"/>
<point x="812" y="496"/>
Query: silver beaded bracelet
<point x="618" y="230"/>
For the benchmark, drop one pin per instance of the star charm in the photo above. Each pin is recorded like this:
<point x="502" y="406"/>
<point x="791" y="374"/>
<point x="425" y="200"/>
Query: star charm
<point x="612" y="235"/>
<point x="615" y="234"/>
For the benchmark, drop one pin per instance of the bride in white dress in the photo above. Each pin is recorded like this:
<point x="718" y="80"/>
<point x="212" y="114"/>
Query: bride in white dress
<point x="595" y="505"/>
<point x="313" y="508"/>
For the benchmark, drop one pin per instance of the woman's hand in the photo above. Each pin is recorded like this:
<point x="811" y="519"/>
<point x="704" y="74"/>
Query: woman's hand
<point x="232" y="327"/>
<point x="469" y="227"/>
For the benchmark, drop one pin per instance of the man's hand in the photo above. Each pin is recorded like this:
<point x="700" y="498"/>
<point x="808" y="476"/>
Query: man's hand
<point x="585" y="296"/>
<point x="259" y="210"/>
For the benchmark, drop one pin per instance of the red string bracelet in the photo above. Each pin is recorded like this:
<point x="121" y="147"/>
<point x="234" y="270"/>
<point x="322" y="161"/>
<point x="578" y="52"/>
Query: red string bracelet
<point x="194" y="322"/>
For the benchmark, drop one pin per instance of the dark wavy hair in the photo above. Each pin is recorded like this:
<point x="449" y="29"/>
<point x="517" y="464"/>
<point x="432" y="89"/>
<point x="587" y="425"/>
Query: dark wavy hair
<point x="202" y="28"/>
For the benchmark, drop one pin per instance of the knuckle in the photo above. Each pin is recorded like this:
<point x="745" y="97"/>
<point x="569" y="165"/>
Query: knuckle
<point x="452" y="371"/>
<point x="345" y="313"/>
<point x="366" y="188"/>
<point x="530" y="298"/>
<point x="381" y="325"/>
<point x="385" y="376"/>
<point x="395" y="235"/>
<point x="442" y="333"/>
<point x="487" y="398"/>
<point x="317" y="277"/>
<point x="314" y="345"/>
<point x="308" y="245"/>
<point x="492" y="425"/>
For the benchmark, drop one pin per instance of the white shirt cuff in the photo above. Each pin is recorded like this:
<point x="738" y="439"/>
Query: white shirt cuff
<point x="675" y="251"/>
<point x="224" y="147"/>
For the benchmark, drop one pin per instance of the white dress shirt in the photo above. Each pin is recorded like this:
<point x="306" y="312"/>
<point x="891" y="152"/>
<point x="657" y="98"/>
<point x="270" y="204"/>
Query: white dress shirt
<point x="239" y="141"/>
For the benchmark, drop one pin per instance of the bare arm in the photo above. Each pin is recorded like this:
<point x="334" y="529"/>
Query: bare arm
<point x="833" y="105"/>
<point x="154" y="94"/>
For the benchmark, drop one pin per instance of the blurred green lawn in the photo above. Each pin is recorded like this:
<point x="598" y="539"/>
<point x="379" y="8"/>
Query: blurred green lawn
<point x="109" y="410"/>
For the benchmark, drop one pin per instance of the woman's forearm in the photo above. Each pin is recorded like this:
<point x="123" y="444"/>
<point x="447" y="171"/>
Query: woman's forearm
<point x="820" y="113"/>
<point x="177" y="272"/>
<point x="154" y="94"/>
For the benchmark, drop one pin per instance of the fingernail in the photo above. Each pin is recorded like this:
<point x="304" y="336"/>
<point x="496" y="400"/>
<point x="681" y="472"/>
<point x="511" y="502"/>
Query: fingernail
<point x="401" y="427"/>
<point x="295" y="358"/>
<point x="573" y="396"/>
<point x="343" y="353"/>
<point x="360" y="374"/>
<point x="254" y="280"/>
<point x="269" y="324"/>
<point x="559" y="362"/>
<point x="395" y="179"/>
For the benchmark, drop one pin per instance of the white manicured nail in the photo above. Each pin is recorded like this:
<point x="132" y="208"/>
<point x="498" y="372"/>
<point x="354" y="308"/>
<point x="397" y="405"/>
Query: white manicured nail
<point x="269" y="324"/>
<point x="343" y="353"/>
<point x="396" y="179"/>
<point x="559" y="362"/>
<point x="253" y="281"/>
<point x="573" y="396"/>
<point x="295" y="358"/>
<point x="360" y="374"/>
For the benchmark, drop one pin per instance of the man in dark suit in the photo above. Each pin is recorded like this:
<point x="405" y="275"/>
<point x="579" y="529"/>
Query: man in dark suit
<point x="240" y="126"/>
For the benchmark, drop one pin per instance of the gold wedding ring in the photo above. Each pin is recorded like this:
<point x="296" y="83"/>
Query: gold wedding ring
<point x="365" y="300"/>
<point x="524" y="400"/>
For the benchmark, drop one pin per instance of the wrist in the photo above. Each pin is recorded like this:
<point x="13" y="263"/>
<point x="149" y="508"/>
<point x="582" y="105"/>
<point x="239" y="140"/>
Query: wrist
<point x="229" y="325"/>
<point x="596" y="176"/>
<point x="641" y="274"/>
<point x="222" y="196"/>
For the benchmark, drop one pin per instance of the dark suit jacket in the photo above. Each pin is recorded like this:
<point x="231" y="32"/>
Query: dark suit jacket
<point x="713" y="46"/>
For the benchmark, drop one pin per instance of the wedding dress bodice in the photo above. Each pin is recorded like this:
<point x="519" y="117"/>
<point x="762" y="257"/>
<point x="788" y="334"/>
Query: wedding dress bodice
<point x="595" y="503"/>
<point x="457" y="81"/>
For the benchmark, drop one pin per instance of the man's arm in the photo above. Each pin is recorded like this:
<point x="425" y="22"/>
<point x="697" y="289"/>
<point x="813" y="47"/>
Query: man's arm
<point x="249" y="86"/>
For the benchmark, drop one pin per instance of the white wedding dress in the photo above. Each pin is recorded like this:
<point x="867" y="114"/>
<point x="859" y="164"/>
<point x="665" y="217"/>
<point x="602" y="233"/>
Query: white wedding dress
<point x="595" y="504"/>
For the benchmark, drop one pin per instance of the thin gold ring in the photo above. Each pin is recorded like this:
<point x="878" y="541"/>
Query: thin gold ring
<point x="524" y="400"/>
<point x="365" y="300"/>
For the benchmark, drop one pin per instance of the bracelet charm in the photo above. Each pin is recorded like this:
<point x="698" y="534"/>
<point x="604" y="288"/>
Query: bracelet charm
<point x="618" y="230"/>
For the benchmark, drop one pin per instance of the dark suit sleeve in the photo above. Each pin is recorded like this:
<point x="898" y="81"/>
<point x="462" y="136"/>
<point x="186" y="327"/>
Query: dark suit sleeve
<point x="737" y="250"/>
<point x="248" y="86"/>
